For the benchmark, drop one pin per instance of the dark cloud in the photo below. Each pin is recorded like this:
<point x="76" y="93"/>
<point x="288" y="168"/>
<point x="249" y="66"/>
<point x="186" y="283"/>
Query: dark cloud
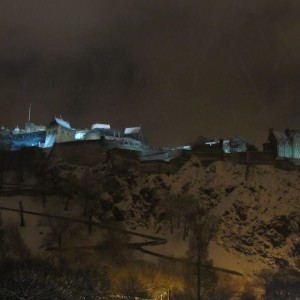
<point x="179" y="68"/>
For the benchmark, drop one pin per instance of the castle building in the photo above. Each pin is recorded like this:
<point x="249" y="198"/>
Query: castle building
<point x="232" y="145"/>
<point x="102" y="130"/>
<point x="135" y="133"/>
<point x="59" y="131"/>
<point x="5" y="138"/>
<point x="284" y="144"/>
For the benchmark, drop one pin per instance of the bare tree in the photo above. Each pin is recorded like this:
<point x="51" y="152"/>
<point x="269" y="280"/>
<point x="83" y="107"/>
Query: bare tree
<point x="190" y="212"/>
<point x="178" y="207"/>
<point x="203" y="229"/>
<point x="90" y="191"/>
<point x="286" y="282"/>
<point x="35" y="279"/>
<point x="129" y="283"/>
<point x="12" y="244"/>
<point x="61" y="231"/>
<point x="168" y="206"/>
<point x="266" y="277"/>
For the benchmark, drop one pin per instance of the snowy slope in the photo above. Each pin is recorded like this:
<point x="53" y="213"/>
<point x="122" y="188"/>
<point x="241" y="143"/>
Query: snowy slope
<point x="257" y="207"/>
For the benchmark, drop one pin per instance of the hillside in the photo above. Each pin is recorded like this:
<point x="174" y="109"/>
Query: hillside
<point x="256" y="207"/>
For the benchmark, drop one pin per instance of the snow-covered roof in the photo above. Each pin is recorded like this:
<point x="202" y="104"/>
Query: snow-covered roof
<point x="132" y="130"/>
<point x="100" y="126"/>
<point x="62" y="123"/>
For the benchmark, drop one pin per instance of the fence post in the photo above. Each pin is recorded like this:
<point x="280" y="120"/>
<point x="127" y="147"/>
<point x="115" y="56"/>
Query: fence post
<point x="21" y="215"/>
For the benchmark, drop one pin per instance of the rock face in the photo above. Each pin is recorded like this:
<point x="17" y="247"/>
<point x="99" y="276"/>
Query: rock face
<point x="257" y="207"/>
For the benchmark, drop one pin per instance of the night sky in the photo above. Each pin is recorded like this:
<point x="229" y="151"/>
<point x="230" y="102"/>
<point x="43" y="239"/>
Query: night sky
<point x="179" y="68"/>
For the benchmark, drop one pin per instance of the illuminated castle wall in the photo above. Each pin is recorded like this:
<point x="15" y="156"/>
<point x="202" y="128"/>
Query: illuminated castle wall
<point x="285" y="144"/>
<point x="58" y="131"/>
<point x="232" y="145"/>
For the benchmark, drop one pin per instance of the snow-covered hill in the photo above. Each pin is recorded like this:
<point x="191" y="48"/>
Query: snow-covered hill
<point x="257" y="207"/>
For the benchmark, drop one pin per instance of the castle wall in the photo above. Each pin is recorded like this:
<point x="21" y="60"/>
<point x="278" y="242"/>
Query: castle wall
<point x="65" y="135"/>
<point x="17" y="166"/>
<point x="87" y="153"/>
<point x="122" y="160"/>
<point x="254" y="157"/>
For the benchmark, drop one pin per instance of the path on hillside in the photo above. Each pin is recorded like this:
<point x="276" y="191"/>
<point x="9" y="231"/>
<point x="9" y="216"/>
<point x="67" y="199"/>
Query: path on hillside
<point x="157" y="240"/>
<point x="9" y="190"/>
<point x="153" y="240"/>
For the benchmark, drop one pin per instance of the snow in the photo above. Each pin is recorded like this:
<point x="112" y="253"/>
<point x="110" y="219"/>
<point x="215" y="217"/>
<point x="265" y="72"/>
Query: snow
<point x="62" y="123"/>
<point x="251" y="204"/>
